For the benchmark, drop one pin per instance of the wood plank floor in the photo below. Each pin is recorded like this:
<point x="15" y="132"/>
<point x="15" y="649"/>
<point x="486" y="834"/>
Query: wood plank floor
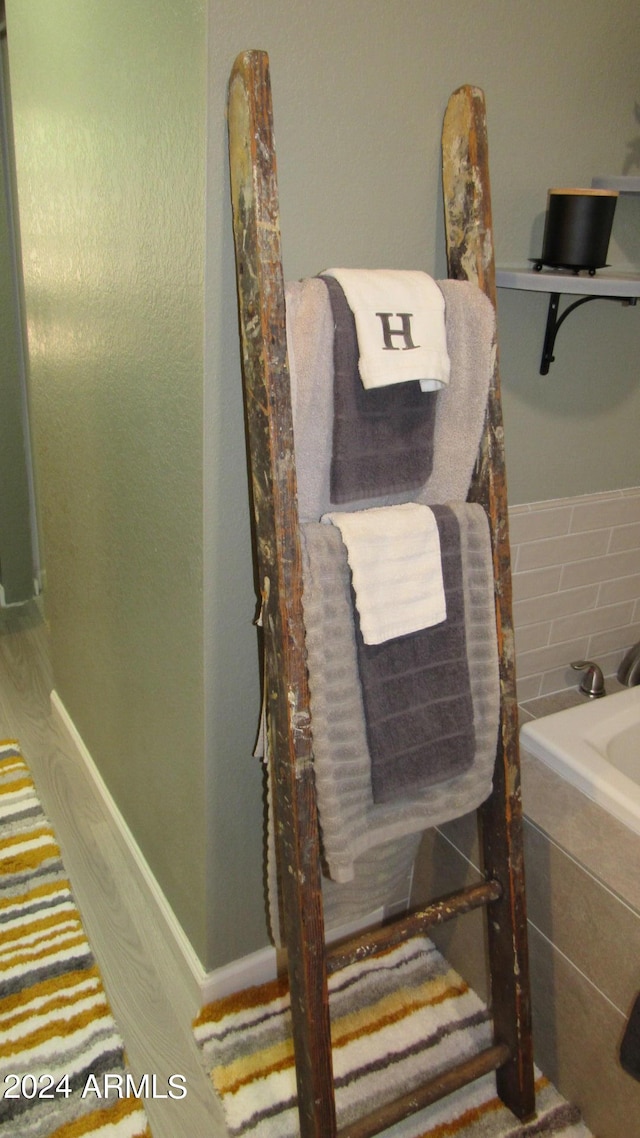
<point x="152" y="1004"/>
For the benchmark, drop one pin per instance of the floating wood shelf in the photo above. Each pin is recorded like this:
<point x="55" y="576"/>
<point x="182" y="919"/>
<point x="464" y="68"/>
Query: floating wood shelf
<point x="606" y="284"/>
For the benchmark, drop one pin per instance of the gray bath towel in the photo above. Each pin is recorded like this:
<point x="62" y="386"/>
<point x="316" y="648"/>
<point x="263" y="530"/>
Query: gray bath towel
<point x="382" y="438"/>
<point x="310" y="351"/>
<point x="370" y="846"/>
<point x="460" y="407"/>
<point x="381" y="877"/>
<point x="416" y="694"/>
<point x="351" y="821"/>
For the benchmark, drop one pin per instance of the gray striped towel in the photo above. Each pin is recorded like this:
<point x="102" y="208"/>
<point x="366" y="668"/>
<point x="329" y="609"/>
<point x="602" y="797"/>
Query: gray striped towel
<point x="350" y="819"/>
<point x="416" y="691"/>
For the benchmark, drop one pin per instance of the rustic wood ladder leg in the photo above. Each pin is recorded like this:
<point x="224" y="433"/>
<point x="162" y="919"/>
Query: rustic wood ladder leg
<point x="267" y="398"/>
<point x="469" y="239"/>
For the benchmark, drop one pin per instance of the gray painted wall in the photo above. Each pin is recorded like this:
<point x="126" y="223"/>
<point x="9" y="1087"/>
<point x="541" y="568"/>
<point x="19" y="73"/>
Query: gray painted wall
<point x="18" y="557"/>
<point x="109" y="120"/>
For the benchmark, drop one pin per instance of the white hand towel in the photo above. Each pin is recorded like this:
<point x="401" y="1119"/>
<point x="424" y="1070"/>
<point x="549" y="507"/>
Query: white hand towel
<point x="400" y="326"/>
<point x="396" y="568"/>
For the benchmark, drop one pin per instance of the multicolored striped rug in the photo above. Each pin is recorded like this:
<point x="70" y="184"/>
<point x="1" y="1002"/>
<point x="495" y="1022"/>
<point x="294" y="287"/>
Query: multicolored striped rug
<point x="396" y="1018"/>
<point x="62" y="1067"/>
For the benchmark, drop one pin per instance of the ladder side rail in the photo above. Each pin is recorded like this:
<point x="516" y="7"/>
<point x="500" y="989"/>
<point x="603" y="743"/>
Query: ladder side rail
<point x="268" y="409"/>
<point x="470" y="256"/>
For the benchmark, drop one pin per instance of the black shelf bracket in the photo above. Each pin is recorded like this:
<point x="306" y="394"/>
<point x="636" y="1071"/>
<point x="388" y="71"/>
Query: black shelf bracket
<point x="555" y="322"/>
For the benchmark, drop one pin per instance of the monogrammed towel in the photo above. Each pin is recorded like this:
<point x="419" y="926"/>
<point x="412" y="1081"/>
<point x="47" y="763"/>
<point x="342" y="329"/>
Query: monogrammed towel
<point x="400" y="326"/>
<point x="382" y="439"/>
<point x="459" y="408"/>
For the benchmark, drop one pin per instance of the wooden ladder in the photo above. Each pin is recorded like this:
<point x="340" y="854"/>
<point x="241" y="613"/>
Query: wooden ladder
<point x="261" y="298"/>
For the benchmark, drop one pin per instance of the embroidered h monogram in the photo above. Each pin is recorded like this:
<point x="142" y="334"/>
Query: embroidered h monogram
<point x="405" y="331"/>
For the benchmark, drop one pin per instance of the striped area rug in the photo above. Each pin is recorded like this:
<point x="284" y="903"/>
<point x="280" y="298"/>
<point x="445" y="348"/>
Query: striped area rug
<point x="396" y="1018"/>
<point x="59" y="1046"/>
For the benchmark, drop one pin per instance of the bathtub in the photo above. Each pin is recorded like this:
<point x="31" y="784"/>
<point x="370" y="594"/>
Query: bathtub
<point x="595" y="747"/>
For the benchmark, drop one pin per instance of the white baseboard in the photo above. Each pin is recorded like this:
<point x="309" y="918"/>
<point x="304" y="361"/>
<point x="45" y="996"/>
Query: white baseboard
<point x="255" y="968"/>
<point x="264" y="965"/>
<point x="168" y="926"/>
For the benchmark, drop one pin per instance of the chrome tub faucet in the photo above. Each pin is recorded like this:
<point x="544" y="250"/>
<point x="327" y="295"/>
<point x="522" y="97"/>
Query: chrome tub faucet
<point x="592" y="683"/>
<point x="629" y="670"/>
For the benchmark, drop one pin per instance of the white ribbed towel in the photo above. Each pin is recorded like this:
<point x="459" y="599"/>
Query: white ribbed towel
<point x="396" y="568"/>
<point x="400" y="326"/>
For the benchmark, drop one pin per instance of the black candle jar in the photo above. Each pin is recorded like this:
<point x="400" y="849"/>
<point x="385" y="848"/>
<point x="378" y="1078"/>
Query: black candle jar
<point x="578" y="229"/>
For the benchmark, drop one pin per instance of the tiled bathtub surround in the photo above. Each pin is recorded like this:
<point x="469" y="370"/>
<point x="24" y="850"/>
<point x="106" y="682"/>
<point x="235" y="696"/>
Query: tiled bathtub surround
<point x="576" y="586"/>
<point x="583" y="907"/>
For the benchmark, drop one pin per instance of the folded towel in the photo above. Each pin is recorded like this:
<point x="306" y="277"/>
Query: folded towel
<point x="310" y="351"/>
<point x="382" y="439"/>
<point x="460" y="407"/>
<point x="394" y="556"/>
<point x="416" y="691"/>
<point x="381" y="877"/>
<point x="400" y="326"/>
<point x="351" y="822"/>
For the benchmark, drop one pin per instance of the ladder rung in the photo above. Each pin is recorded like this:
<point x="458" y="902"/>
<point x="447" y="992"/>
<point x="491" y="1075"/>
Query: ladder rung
<point x="388" y="936"/>
<point x="433" y="1090"/>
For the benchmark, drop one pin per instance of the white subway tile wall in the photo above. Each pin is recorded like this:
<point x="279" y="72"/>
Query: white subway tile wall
<point x="576" y="586"/>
